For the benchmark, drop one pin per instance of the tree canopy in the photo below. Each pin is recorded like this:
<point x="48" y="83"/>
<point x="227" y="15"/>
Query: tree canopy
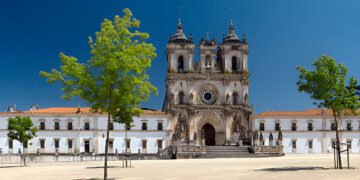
<point x="114" y="79"/>
<point x="117" y="68"/>
<point x="327" y="85"/>
<point x="21" y="129"/>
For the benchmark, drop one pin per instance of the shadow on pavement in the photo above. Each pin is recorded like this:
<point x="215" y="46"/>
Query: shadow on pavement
<point x="95" y="179"/>
<point x="102" y="167"/>
<point x="11" y="166"/>
<point x="292" y="169"/>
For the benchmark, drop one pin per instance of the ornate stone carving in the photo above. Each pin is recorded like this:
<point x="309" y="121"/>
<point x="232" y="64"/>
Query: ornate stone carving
<point x="208" y="94"/>
<point x="227" y="99"/>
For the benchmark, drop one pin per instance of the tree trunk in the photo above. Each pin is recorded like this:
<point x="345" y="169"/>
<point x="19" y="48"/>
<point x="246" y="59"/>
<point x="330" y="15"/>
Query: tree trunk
<point x="337" y="146"/>
<point x="107" y="145"/>
<point x="23" y="155"/>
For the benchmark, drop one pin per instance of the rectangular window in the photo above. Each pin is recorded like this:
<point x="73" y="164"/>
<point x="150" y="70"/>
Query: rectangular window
<point x="277" y="126"/>
<point x="333" y="127"/>
<point x="310" y="144"/>
<point x="57" y="125"/>
<point x="143" y="126"/>
<point x="144" y="142"/>
<point x="42" y="143"/>
<point x="87" y="126"/>
<point x="111" y="143"/>
<point x="310" y="126"/>
<point x="294" y="144"/>
<point x="56" y="144"/>
<point x="348" y="126"/>
<point x="70" y="126"/>
<point x="160" y="126"/>
<point x="70" y="143"/>
<point x="159" y="143"/>
<point x="293" y="126"/>
<point x="10" y="144"/>
<point x="42" y="126"/>
<point x="25" y="144"/>
<point x="262" y="126"/>
<point x="349" y="143"/>
<point x="128" y="144"/>
<point x="111" y="126"/>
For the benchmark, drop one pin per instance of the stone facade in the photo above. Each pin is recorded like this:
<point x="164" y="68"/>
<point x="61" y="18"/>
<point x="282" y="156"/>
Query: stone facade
<point x="309" y="131"/>
<point x="208" y="100"/>
<point x="70" y="130"/>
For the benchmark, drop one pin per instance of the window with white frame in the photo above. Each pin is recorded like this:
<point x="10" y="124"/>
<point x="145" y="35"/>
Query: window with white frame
<point x="293" y="143"/>
<point x="87" y="125"/>
<point x="294" y="125"/>
<point x="69" y="125"/>
<point x="57" y="143"/>
<point x="160" y="125"/>
<point x="144" y="125"/>
<point x="310" y="144"/>
<point x="144" y="143"/>
<point x="57" y="125"/>
<point x="348" y="126"/>
<point x="277" y="126"/>
<point x="42" y="143"/>
<point x="310" y="126"/>
<point x="70" y="143"/>
<point x="42" y="125"/>
<point x="262" y="126"/>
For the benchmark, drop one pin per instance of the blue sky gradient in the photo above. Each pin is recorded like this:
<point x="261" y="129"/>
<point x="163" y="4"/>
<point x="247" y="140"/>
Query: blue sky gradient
<point x="281" y="34"/>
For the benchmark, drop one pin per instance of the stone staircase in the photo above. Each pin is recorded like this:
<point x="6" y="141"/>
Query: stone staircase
<point x="228" y="152"/>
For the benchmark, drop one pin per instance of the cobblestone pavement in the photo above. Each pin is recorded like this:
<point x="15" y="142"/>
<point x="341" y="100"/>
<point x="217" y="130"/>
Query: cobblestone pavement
<point x="288" y="167"/>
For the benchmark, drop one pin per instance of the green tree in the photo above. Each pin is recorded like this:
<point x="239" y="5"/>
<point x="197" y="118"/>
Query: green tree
<point x="327" y="86"/>
<point x="22" y="130"/>
<point x="114" y="79"/>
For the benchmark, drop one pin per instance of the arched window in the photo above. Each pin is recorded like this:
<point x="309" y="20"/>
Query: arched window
<point x="235" y="98"/>
<point x="207" y="61"/>
<point x="233" y="63"/>
<point x="181" y="97"/>
<point x="181" y="64"/>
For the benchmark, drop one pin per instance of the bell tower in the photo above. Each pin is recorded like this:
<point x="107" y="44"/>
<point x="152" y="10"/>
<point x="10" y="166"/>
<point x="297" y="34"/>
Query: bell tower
<point x="234" y="52"/>
<point x="208" y="54"/>
<point x="180" y="52"/>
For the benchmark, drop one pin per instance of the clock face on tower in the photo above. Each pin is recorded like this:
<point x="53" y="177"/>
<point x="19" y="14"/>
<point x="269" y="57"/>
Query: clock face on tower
<point x="207" y="95"/>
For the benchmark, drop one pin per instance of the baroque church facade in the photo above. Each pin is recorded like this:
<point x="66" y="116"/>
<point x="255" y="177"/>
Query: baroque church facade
<point x="208" y="100"/>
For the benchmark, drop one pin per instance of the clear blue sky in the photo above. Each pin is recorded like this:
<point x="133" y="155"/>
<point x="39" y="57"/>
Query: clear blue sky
<point x="281" y="35"/>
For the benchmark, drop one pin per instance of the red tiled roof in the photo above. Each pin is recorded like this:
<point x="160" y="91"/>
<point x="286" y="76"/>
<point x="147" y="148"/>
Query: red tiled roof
<point x="308" y="112"/>
<point x="74" y="110"/>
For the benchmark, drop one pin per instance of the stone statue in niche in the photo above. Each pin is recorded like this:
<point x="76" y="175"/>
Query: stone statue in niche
<point x="191" y="96"/>
<point x="227" y="98"/>
<point x="172" y="98"/>
<point x="246" y="99"/>
<point x="182" y="127"/>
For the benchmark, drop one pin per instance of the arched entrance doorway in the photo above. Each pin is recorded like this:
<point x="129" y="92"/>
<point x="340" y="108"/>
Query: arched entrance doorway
<point x="208" y="133"/>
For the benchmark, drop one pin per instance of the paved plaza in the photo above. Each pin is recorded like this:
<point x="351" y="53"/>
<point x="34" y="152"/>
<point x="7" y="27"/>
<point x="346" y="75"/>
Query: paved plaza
<point x="288" y="167"/>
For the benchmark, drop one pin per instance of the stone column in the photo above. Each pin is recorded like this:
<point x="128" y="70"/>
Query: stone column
<point x="191" y="127"/>
<point x="228" y="125"/>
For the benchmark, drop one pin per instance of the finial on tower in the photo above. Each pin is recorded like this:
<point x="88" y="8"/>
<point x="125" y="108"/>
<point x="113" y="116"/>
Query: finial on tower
<point x="179" y="24"/>
<point x="231" y="27"/>
<point x="244" y="38"/>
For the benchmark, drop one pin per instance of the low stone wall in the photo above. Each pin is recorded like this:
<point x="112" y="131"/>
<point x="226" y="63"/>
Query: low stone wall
<point x="269" y="150"/>
<point x="13" y="159"/>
